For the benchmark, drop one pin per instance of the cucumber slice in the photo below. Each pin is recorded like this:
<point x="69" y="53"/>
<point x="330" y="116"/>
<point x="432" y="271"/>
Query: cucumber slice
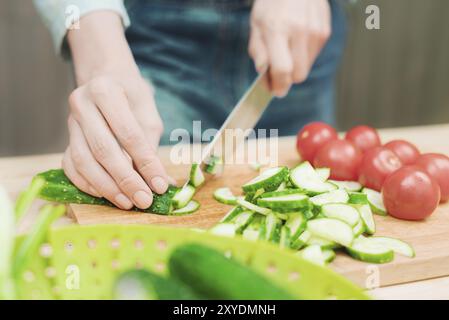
<point x="272" y="228"/>
<point x="224" y="230"/>
<point x="367" y="218"/>
<point x="313" y="254"/>
<point x="365" y="250"/>
<point x="252" y="232"/>
<point x="328" y="255"/>
<point x="285" y="203"/>
<point x="196" y="175"/>
<point x="286" y="192"/>
<point x="269" y="180"/>
<point x="232" y="214"/>
<point x="343" y="212"/>
<point x="242" y="220"/>
<point x="214" y="165"/>
<point x="183" y="196"/>
<point x="192" y="206"/>
<point x="336" y="196"/>
<point x="306" y="178"/>
<point x="331" y="229"/>
<point x="358" y="198"/>
<point x="282" y="186"/>
<point x="375" y="201"/>
<point x="323" y="243"/>
<point x="323" y="173"/>
<point x="285" y="237"/>
<point x="301" y="241"/>
<point x="398" y="246"/>
<point x="359" y="228"/>
<point x="296" y="224"/>
<point x="252" y="207"/>
<point x="225" y="196"/>
<point x="350" y="186"/>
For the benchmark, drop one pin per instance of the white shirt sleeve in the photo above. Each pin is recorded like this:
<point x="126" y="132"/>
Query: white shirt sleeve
<point x="59" y="16"/>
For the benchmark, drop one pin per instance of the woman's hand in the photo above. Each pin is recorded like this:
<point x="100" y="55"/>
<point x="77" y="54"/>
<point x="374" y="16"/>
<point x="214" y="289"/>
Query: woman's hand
<point x="287" y="36"/>
<point x="114" y="125"/>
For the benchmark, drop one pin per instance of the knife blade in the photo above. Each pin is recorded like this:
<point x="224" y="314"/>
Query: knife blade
<point x="243" y="117"/>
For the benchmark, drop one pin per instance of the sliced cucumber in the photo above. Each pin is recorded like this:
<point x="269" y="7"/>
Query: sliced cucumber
<point x="323" y="173"/>
<point x="285" y="192"/>
<point x="285" y="238"/>
<point x="214" y="165"/>
<point x="343" y="212"/>
<point x="358" y="198"/>
<point x="328" y="255"/>
<point x="225" y="196"/>
<point x="285" y="203"/>
<point x="296" y="224"/>
<point x="336" y="196"/>
<point x="359" y="228"/>
<point x="398" y="246"/>
<point x="282" y="186"/>
<point x="350" y="186"/>
<point x="375" y="201"/>
<point x="232" y="214"/>
<point x="367" y="217"/>
<point x="252" y="232"/>
<point x="224" y="230"/>
<point x="368" y="251"/>
<point x="272" y="228"/>
<point x="313" y="254"/>
<point x="183" y="196"/>
<point x="306" y="178"/>
<point x="331" y="229"/>
<point x="301" y="241"/>
<point x="323" y="243"/>
<point x="242" y="220"/>
<point x="196" y="175"/>
<point x="269" y="180"/>
<point x="192" y="206"/>
<point x="250" y="206"/>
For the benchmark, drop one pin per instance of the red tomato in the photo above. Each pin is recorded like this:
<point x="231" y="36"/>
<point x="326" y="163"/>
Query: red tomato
<point x="437" y="166"/>
<point x="312" y="137"/>
<point x="405" y="151"/>
<point x="377" y="164"/>
<point x="363" y="137"/>
<point x="342" y="157"/>
<point x="410" y="194"/>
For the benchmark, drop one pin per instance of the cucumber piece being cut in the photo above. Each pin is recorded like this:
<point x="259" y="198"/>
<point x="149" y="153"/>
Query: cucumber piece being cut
<point x="359" y="228"/>
<point x="350" y="186"/>
<point x="331" y="229"/>
<point x="225" y="196"/>
<point x="272" y="228"/>
<point x="343" y="212"/>
<point x="252" y="207"/>
<point x="285" y="203"/>
<point x="323" y="173"/>
<point x="269" y="180"/>
<point x="224" y="230"/>
<point x="336" y="196"/>
<point x="367" y="218"/>
<point x="191" y="207"/>
<point x="183" y="196"/>
<point x="375" y="201"/>
<point x="196" y="175"/>
<point x="369" y="251"/>
<point x="358" y="198"/>
<point x="398" y="246"/>
<point x="214" y="165"/>
<point x="306" y="178"/>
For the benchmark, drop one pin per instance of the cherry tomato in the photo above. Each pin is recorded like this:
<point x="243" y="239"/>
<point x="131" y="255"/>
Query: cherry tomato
<point x="437" y="166"/>
<point x="410" y="194"/>
<point x="363" y="137"/>
<point x="405" y="151"/>
<point x="377" y="164"/>
<point x="342" y="157"/>
<point x="312" y="137"/>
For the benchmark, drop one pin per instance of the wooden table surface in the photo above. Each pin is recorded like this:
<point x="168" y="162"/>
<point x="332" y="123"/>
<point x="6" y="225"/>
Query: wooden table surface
<point x="15" y="174"/>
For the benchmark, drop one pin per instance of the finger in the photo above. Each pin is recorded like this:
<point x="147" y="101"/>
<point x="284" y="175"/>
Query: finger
<point x="280" y="61"/>
<point x="108" y="152"/>
<point x="115" y="109"/>
<point x="300" y="54"/>
<point x="257" y="50"/>
<point x="91" y="170"/>
<point x="75" y="177"/>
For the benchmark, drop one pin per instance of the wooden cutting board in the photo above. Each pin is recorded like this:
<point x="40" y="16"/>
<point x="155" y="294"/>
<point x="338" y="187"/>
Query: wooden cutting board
<point x="430" y="238"/>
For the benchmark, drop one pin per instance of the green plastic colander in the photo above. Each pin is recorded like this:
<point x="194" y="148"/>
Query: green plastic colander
<point x="81" y="262"/>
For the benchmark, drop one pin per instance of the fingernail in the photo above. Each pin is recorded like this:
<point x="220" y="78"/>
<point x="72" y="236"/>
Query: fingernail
<point x="142" y="199"/>
<point x="159" y="185"/>
<point x="123" y="201"/>
<point x="94" y="192"/>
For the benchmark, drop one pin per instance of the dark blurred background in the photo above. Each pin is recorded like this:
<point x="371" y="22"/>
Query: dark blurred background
<point x="395" y="76"/>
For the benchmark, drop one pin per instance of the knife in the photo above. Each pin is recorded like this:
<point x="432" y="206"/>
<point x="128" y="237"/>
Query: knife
<point x="244" y="117"/>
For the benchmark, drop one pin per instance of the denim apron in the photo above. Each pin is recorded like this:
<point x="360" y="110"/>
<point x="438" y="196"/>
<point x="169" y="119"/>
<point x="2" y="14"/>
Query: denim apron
<point x="195" y="54"/>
